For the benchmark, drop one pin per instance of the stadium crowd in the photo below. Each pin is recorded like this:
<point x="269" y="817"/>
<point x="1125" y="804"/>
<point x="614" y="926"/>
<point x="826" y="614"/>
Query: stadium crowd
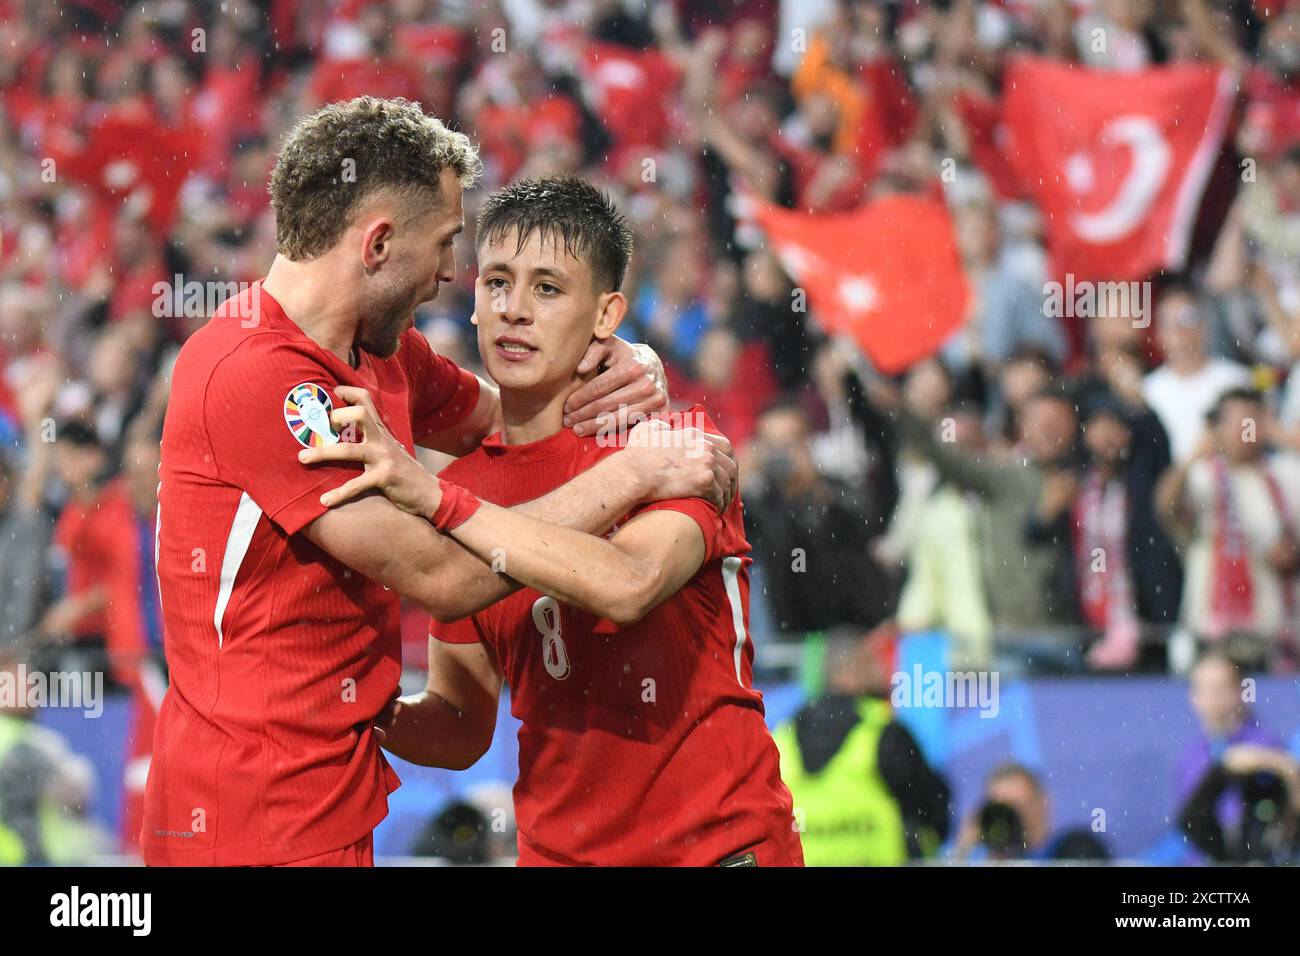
<point x="972" y="495"/>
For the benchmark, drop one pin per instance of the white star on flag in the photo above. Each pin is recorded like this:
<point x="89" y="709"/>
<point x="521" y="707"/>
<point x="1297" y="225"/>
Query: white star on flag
<point x="858" y="293"/>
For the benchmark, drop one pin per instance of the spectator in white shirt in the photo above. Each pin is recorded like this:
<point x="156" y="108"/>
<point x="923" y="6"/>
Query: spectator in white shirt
<point x="1234" y="508"/>
<point x="1184" y="389"/>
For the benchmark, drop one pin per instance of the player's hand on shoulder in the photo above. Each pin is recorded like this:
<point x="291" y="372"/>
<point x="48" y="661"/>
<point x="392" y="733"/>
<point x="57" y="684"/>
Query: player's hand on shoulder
<point x="685" y="462"/>
<point x="632" y="387"/>
<point x="389" y="468"/>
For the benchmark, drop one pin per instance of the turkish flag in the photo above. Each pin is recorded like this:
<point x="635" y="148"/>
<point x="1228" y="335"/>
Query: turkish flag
<point x="888" y="274"/>
<point x="1116" y="161"/>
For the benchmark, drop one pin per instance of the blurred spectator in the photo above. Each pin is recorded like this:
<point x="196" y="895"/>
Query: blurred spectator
<point x="669" y="313"/>
<point x="44" y="787"/>
<point x="729" y="378"/>
<point x="127" y="510"/>
<point x="80" y="545"/>
<point x="850" y="446"/>
<point x="1254" y="266"/>
<point x="1025" y="559"/>
<point x="1268" y="780"/>
<point x="26" y="526"/>
<point x="945" y="587"/>
<point x="812" y="533"/>
<point x="1027" y="372"/>
<point x="1006" y="311"/>
<point x="1128" y="572"/>
<point x="1212" y="772"/>
<point x="928" y="389"/>
<point x="361" y="60"/>
<point x="862" y="789"/>
<point x="765" y="311"/>
<point x="1233" y="506"/>
<point x="133" y="634"/>
<point x="1186" y="386"/>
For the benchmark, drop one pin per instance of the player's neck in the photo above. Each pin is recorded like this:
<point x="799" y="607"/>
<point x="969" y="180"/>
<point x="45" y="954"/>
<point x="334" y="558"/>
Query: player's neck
<point x="530" y="416"/>
<point x="315" y="301"/>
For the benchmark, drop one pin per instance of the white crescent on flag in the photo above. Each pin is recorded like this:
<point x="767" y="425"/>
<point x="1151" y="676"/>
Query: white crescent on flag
<point x="1116" y="162"/>
<point x="1150" y="158"/>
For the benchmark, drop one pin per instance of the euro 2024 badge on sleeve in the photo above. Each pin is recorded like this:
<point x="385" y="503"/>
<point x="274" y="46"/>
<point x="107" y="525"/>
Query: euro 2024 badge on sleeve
<point x="307" y="413"/>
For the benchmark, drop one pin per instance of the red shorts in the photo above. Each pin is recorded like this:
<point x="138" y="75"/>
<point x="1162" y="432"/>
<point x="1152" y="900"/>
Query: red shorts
<point x="361" y="853"/>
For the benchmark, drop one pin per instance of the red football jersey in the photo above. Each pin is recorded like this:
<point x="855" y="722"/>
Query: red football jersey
<point x="641" y="745"/>
<point x="279" y="656"/>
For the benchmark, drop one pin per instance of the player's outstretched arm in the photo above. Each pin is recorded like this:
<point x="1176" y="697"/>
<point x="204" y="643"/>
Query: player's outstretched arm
<point x="399" y="547"/>
<point x="402" y="550"/>
<point x="406" y="554"/>
<point x="450" y="723"/>
<point x="623" y="578"/>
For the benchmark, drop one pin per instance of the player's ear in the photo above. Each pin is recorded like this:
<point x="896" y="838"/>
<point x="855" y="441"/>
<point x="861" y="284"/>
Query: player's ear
<point x="613" y="310"/>
<point x="376" y="242"/>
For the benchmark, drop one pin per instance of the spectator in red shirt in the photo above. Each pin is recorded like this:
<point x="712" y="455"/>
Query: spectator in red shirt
<point x="133" y="633"/>
<point x="78" y="615"/>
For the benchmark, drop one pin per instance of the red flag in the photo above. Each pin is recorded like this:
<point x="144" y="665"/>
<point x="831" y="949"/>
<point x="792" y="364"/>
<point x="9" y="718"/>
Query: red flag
<point x="888" y="274"/>
<point x="1116" y="161"/>
<point x="982" y="117"/>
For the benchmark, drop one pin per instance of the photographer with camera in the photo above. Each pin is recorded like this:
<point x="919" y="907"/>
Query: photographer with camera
<point x="1227" y="779"/>
<point x="1013" y="822"/>
<point x="1267" y="828"/>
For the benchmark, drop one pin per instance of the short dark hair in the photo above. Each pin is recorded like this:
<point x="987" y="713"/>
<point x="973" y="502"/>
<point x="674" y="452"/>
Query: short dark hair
<point x="1059" y="393"/>
<point x="78" y="432"/>
<point x="786" y="403"/>
<point x="1033" y="355"/>
<point x="346" y="151"/>
<point x="1241" y="393"/>
<point x="964" y="406"/>
<point x="1107" y="403"/>
<point x="567" y="209"/>
<point x="1176" y="283"/>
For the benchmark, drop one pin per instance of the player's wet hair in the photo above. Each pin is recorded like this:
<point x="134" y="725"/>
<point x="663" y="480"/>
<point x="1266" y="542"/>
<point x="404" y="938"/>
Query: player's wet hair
<point x="344" y="153"/>
<point x="564" y="209"/>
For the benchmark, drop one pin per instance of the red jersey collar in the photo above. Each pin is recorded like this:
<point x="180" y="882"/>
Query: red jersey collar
<point x="562" y="442"/>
